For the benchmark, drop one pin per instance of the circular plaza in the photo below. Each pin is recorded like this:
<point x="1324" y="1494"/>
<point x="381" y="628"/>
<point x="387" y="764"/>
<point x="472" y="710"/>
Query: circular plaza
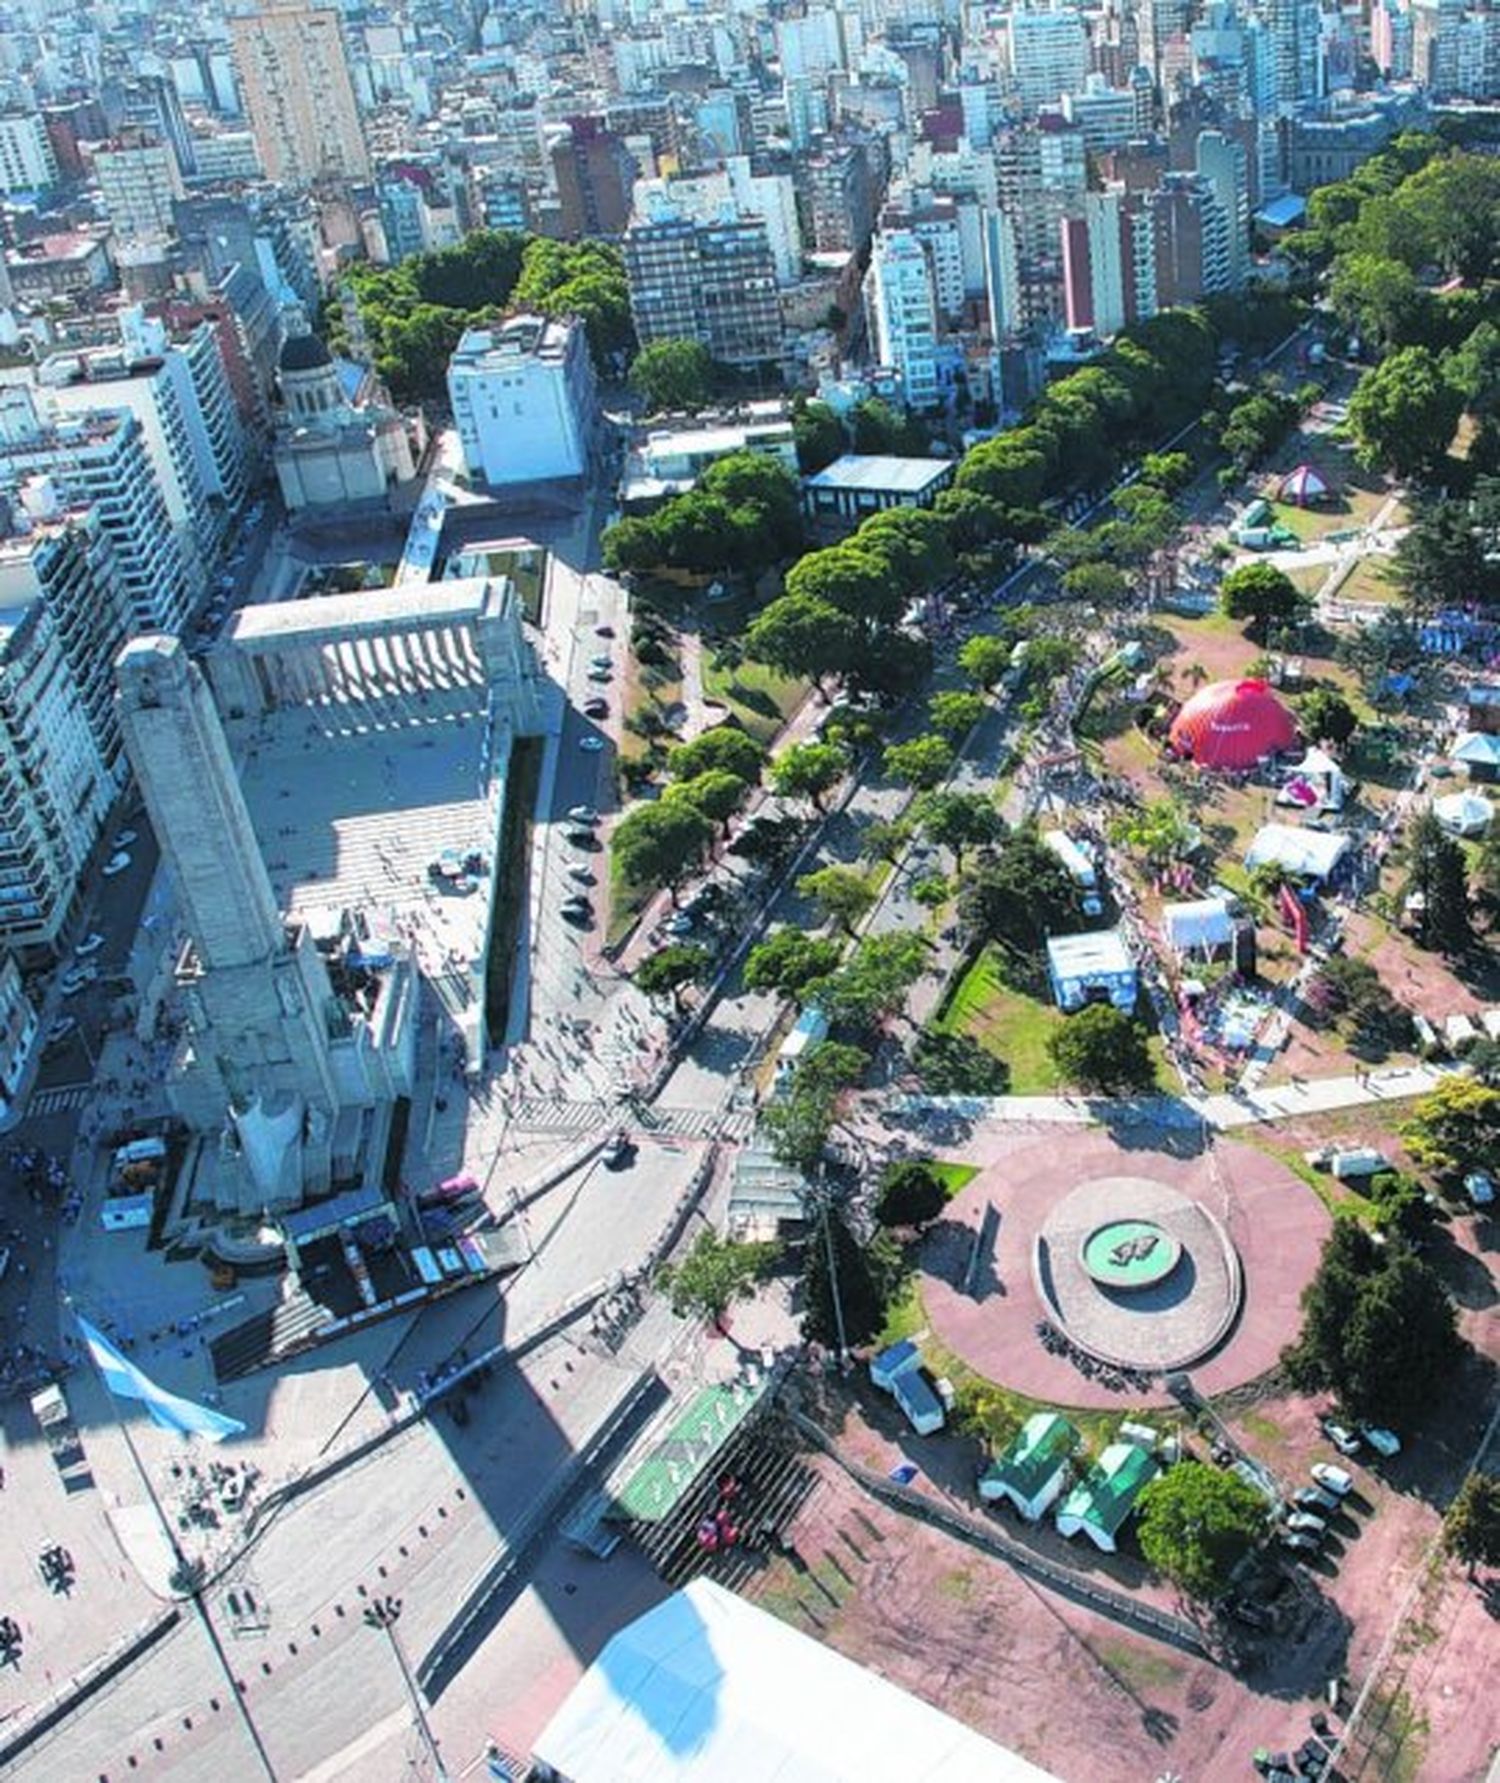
<point x="1144" y="1259"/>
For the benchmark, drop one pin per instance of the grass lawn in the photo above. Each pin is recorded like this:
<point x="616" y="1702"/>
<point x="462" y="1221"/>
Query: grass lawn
<point x="761" y="699"/>
<point x="625" y="904"/>
<point x="1013" y="1026"/>
<point x="1372" y="582"/>
<point x="953" y="1177"/>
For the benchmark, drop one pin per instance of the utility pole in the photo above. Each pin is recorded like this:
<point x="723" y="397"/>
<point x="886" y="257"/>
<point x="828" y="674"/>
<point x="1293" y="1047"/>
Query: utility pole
<point x="825" y="1203"/>
<point x="384" y="1614"/>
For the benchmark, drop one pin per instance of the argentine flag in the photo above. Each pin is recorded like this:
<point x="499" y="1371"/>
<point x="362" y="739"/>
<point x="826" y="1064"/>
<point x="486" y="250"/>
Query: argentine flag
<point x="126" y="1381"/>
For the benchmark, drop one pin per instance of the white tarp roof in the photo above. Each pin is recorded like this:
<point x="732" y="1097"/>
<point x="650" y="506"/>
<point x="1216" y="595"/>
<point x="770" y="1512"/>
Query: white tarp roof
<point x="1203" y="923"/>
<point x="1477" y="748"/>
<point x="706" y="1688"/>
<point x="1309" y="854"/>
<point x="1464" y="812"/>
<point x="1095" y="953"/>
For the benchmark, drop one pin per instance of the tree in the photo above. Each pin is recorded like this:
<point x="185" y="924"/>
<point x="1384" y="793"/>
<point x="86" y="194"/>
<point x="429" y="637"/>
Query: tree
<point x="854" y="581"/>
<point x="959" y="821"/>
<point x="1099" y="584"/>
<point x="1471" y="1524"/>
<point x="673" y="374"/>
<point x="867" y="1275"/>
<point x="913" y="542"/>
<point x="715" y="792"/>
<point x="725" y="747"/>
<point x="714" y="1274"/>
<point x="841" y="894"/>
<point x="1171" y="471"/>
<point x="885" y="840"/>
<point x="764" y="505"/>
<point x="879" y="429"/>
<point x="1256" y="427"/>
<point x="1443" y="558"/>
<point x="808" y="771"/>
<point x="1403" y="413"/>
<point x="875" y="980"/>
<point x="1159" y="831"/>
<point x="1262" y="594"/>
<point x="1326" y="716"/>
<point x="1378" y="1328"/>
<point x="661" y="844"/>
<point x="818" y="434"/>
<point x="800" y="1118"/>
<point x="984" y="659"/>
<point x="1454" y="1127"/>
<point x="798" y="635"/>
<point x="923" y="762"/>
<point x="1437" y="887"/>
<point x="1195" y="1524"/>
<point x="1101" y="1049"/>
<point x="1378" y="299"/>
<point x="1018" y="895"/>
<point x="953" y="714"/>
<point x="910" y="1195"/>
<point x="788" y="960"/>
<point x="669" y="970"/>
<point x="957" y="1065"/>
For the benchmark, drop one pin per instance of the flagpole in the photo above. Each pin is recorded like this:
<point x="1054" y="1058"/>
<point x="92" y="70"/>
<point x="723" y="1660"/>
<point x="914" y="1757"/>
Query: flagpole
<point x="186" y="1573"/>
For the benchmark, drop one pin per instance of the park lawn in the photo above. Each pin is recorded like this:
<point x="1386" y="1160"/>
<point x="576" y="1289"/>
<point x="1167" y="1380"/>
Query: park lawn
<point x="953" y="1177"/>
<point x="626" y="903"/>
<point x="1013" y="1026"/>
<point x="760" y="698"/>
<point x="1372" y="582"/>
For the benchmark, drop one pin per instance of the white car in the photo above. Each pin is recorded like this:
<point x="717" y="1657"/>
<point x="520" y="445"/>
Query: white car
<point x="583" y="814"/>
<point x="1305" y="1523"/>
<point x="125" y="838"/>
<point x="1337" y="1480"/>
<point x="117" y="863"/>
<point x="1382" y="1441"/>
<point x="681" y="924"/>
<point x="61" y="1028"/>
<point x="591" y="744"/>
<point x="89" y="944"/>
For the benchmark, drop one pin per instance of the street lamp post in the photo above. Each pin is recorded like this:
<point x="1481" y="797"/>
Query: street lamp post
<point x="384" y="1614"/>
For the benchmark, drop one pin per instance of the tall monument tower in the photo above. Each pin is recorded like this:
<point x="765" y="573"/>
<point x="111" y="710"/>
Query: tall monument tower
<point x="254" y="1073"/>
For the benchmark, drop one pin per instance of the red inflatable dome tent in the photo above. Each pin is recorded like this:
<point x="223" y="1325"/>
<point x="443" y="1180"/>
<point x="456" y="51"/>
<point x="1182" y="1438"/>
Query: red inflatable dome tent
<point x="1233" y="724"/>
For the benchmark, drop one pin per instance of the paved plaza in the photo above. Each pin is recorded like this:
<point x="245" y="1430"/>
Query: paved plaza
<point x="1273" y="1220"/>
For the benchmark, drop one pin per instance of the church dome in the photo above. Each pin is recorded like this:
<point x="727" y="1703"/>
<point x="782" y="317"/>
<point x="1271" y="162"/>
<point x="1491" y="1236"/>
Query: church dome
<point x="303" y="352"/>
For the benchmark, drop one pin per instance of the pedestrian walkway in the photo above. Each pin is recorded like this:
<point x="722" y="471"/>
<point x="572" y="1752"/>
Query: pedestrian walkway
<point x="544" y="1114"/>
<point x="55" y="1101"/>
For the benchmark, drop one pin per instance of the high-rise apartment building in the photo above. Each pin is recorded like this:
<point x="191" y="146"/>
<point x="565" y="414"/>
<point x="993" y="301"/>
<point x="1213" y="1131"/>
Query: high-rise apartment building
<point x="100" y="459"/>
<point x="1192" y="239"/>
<point x="63" y="558"/>
<point x="1222" y="162"/>
<point x="1294" y="29"/>
<point x="1109" y="263"/>
<point x="839" y="197"/>
<point x="139" y="181"/>
<point x="294" y="80"/>
<point x="934" y="222"/>
<point x="903" y="313"/>
<point x="710" y="282"/>
<point x="524" y="401"/>
<point x="27" y="160"/>
<point x="55" y="792"/>
<point x="1049" y="55"/>
<point x="594" y="173"/>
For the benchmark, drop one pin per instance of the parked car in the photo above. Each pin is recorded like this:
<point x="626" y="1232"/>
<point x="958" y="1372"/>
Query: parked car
<point x="600" y="675"/>
<point x="1336" y="1480"/>
<point x="1340" y="1435"/>
<point x="591" y="744"/>
<point x="596" y="708"/>
<point x="125" y="838"/>
<point x="620" y="1151"/>
<point x="1382" y="1441"/>
<point x="582" y="875"/>
<point x="60" y="1029"/>
<point x="604" y="631"/>
<point x="681" y="924"/>
<point x="117" y="863"/>
<point x="1314" y="1498"/>
<point x="606" y="661"/>
<point x="1298" y="1543"/>
<point x="1479" y="1186"/>
<point x="90" y="944"/>
<point x="1305" y="1523"/>
<point x="584" y="839"/>
<point x="583" y="814"/>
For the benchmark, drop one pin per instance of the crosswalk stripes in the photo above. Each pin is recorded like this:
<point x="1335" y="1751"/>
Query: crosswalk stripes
<point x="545" y="1114"/>
<point x="72" y="1095"/>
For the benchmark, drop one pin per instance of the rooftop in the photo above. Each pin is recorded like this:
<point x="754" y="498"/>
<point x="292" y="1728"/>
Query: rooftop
<point x="859" y="470"/>
<point x="531" y="337"/>
<point x="1091" y="954"/>
<point x="1031" y="1457"/>
<point x="418" y="604"/>
<point x="1106" y="1495"/>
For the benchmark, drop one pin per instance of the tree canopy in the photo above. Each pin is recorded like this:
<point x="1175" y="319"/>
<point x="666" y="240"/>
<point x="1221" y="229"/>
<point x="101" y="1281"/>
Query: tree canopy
<point x="1437" y="887"/>
<point x="1261" y="593"/>
<point x="1403" y="413"/>
<point x="661" y="843"/>
<point x="867" y="1275"/>
<point x="1195" y="1524"/>
<point x="1018" y="894"/>
<point x="841" y="894"/>
<point x="808" y="771"/>
<point x="1471" y="1525"/>
<point x="1455" y="1127"/>
<point x="670" y="970"/>
<point x="714" y="1274"/>
<point x="789" y="960"/>
<point x="1101" y="1049"/>
<point x="673" y="374"/>
<point x="910" y="1195"/>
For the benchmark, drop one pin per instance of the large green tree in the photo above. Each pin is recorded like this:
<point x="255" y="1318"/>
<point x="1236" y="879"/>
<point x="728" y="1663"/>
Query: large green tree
<point x="1437" y="887"/>
<point x="1103" y="1050"/>
<point x="661" y="844"/>
<point x="1195" y="1524"/>
<point x="865" y="1278"/>
<point x="725" y="747"/>
<point x="1455" y="1127"/>
<point x="800" y="635"/>
<point x="841" y="894"/>
<point x="715" y="792"/>
<point x="715" y="1273"/>
<point x="921" y="762"/>
<point x="874" y="982"/>
<point x="1262" y="594"/>
<point x="670" y="970"/>
<point x="809" y="771"/>
<point x="1471" y="1524"/>
<point x="788" y="960"/>
<point x="984" y="659"/>
<point x="673" y="374"/>
<point x="1403" y="413"/>
<point x="818" y="434"/>
<point x="960" y="821"/>
<point x="1018" y="895"/>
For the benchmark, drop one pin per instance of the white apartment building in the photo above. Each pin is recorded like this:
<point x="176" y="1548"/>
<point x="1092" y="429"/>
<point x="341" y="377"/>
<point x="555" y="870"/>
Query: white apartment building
<point x="1049" y="56"/>
<point x="100" y="459"/>
<point x="18" y="1031"/>
<point x="1221" y="161"/>
<point x="903" y="315"/>
<point x="138" y="182"/>
<point x="730" y="193"/>
<point x="524" y="401"/>
<point x="27" y="163"/>
<point x="55" y="792"/>
<point x="1105" y="114"/>
<point x="63" y="557"/>
<point x="936" y="223"/>
<point x="1002" y="276"/>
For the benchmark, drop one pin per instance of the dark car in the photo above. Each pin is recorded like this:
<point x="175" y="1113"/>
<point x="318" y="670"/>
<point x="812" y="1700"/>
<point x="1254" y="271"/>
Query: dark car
<point x="584" y="839"/>
<point x="620" y="1151"/>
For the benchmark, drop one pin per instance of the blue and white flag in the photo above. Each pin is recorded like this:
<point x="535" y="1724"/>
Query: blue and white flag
<point x="126" y="1381"/>
<point x="905" y="1472"/>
